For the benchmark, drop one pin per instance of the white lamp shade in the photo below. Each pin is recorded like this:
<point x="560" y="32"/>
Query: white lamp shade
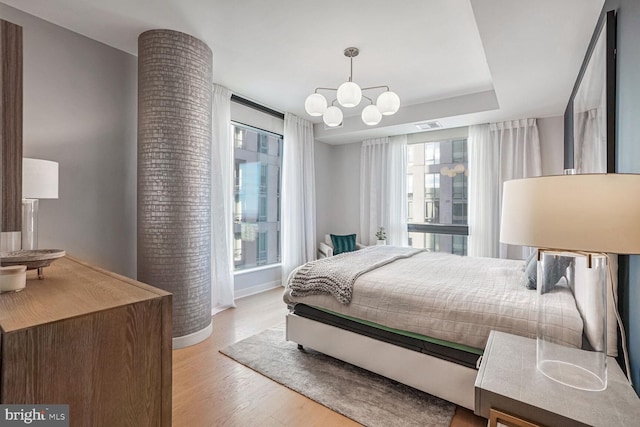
<point x="315" y="104"/>
<point x="388" y="103"/>
<point x="39" y="179"/>
<point x="349" y="94"/>
<point x="332" y="117"/>
<point x="591" y="213"/>
<point x="371" y="115"/>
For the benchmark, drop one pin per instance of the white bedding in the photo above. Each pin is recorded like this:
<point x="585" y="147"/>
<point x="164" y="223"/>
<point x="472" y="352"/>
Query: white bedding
<point x="458" y="299"/>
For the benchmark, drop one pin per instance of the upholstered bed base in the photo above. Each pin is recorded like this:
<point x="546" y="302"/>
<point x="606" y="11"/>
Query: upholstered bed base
<point x="448" y="380"/>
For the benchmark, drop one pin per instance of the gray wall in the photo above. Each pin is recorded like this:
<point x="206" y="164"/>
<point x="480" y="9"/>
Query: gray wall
<point x="337" y="189"/>
<point x="551" y="130"/>
<point x="324" y="190"/>
<point x="628" y="155"/>
<point x="80" y="110"/>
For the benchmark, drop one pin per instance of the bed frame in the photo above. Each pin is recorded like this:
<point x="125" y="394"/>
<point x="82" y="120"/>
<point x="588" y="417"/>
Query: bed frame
<point x="433" y="375"/>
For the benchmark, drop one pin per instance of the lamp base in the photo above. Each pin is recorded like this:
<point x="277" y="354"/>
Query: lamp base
<point x="579" y="280"/>
<point x="29" y="224"/>
<point x="589" y="372"/>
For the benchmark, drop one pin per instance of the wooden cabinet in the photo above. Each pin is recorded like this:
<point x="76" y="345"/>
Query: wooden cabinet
<point x="92" y="339"/>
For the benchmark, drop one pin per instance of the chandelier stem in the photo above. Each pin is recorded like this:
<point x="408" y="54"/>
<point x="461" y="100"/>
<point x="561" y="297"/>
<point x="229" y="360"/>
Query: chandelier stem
<point x="351" y="71"/>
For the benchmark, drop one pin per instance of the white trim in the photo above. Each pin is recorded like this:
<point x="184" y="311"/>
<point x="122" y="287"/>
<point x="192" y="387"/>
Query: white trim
<point x="435" y="376"/>
<point x="438" y="135"/>
<point x="192" y="339"/>
<point x="255" y="269"/>
<point x="263" y="287"/>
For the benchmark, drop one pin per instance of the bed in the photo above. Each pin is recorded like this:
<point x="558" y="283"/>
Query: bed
<point x="421" y="318"/>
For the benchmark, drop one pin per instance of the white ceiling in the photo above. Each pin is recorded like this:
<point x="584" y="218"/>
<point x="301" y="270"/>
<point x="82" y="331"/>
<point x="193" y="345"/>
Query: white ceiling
<point x="458" y="61"/>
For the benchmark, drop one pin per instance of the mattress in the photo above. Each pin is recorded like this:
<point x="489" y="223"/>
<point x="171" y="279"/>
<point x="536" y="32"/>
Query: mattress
<point x="453" y="298"/>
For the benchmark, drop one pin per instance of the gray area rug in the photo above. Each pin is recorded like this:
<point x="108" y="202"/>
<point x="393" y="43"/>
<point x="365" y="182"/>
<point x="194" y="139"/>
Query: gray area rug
<point x="363" y="396"/>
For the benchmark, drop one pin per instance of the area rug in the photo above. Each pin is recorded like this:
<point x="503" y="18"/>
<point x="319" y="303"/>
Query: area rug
<point x="356" y="393"/>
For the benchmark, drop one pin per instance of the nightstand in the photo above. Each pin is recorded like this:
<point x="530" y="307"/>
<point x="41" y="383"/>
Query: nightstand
<point x="510" y="388"/>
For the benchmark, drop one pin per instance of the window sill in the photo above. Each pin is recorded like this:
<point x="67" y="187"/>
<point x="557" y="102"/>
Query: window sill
<point x="256" y="269"/>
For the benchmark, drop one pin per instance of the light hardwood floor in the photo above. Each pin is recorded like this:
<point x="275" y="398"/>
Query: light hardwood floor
<point x="209" y="389"/>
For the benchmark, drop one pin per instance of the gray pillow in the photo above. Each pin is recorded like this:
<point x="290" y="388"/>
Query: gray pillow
<point x="531" y="270"/>
<point x="554" y="271"/>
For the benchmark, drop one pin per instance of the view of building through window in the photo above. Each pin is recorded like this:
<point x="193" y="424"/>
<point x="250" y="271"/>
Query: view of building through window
<point x="256" y="212"/>
<point x="437" y="181"/>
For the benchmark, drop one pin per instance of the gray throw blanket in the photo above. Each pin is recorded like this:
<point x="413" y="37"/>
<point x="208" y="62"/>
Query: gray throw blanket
<point x="336" y="275"/>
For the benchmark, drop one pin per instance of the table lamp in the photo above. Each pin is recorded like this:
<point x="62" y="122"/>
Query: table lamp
<point x="573" y="220"/>
<point x="39" y="181"/>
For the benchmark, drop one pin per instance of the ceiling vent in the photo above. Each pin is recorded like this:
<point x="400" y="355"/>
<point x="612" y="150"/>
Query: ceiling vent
<point x="429" y="125"/>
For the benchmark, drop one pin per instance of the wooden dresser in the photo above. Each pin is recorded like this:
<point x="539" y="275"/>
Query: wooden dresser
<point x="89" y="338"/>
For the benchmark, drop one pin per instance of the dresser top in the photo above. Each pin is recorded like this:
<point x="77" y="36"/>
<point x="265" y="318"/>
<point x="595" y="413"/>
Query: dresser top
<point x="70" y="288"/>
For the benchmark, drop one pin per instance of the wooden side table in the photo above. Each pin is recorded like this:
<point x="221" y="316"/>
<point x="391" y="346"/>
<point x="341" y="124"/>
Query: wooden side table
<point x="510" y="389"/>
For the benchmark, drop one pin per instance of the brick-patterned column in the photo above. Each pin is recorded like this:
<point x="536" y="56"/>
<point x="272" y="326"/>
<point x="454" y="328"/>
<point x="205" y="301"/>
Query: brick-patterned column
<point x="174" y="176"/>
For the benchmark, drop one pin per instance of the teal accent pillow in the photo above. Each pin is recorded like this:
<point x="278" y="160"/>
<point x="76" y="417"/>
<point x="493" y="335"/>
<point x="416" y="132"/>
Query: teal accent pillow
<point x="342" y="244"/>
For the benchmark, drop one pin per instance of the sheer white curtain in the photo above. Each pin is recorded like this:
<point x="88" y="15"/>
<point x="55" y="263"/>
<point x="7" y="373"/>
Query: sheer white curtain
<point x="498" y="152"/>
<point x="590" y="142"/>
<point x="383" y="189"/>
<point x="221" y="199"/>
<point x="484" y="207"/>
<point x="298" y="217"/>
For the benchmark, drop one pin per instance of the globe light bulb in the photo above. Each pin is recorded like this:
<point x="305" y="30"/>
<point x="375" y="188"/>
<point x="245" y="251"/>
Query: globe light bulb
<point x="349" y="94"/>
<point x="315" y="104"/>
<point x="332" y="117"/>
<point x="371" y="115"/>
<point x="388" y="103"/>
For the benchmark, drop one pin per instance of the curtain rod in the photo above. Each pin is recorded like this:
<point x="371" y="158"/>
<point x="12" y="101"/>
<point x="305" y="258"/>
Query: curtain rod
<point x="243" y="101"/>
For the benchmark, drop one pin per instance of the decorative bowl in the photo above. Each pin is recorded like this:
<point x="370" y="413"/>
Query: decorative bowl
<point x="32" y="259"/>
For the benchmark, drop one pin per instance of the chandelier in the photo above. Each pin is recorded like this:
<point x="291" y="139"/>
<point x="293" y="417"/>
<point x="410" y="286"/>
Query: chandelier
<point x="349" y="95"/>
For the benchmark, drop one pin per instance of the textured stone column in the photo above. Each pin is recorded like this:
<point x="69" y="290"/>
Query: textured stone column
<point x="174" y="176"/>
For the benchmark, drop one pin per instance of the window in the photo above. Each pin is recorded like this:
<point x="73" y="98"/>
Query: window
<point x="409" y="197"/>
<point x="459" y="212"/>
<point x="437" y="194"/>
<point x="262" y="248"/>
<point x="431" y="153"/>
<point x="431" y="211"/>
<point x="256" y="213"/>
<point x="432" y="185"/>
<point x="460" y="151"/>
<point x="460" y="186"/>
<point x="459" y="245"/>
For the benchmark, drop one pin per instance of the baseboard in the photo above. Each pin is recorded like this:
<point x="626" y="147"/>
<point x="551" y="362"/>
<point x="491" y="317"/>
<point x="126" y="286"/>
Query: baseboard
<point x="263" y="287"/>
<point x="194" y="338"/>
